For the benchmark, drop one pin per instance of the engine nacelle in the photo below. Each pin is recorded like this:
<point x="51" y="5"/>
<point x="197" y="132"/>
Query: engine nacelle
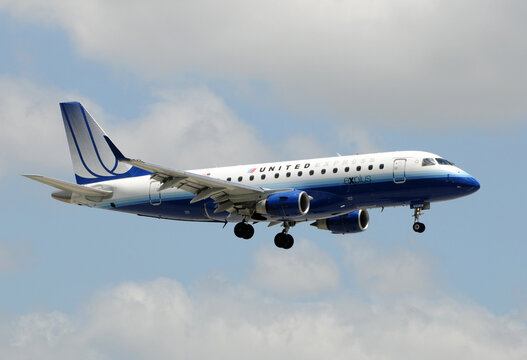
<point x="293" y="203"/>
<point x="353" y="222"/>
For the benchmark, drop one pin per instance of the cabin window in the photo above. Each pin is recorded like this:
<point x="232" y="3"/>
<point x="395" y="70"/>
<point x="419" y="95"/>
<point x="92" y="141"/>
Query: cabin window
<point x="323" y="171"/>
<point x="300" y="173"/>
<point x="311" y="172"/>
<point x="335" y="170"/>
<point x="229" y="179"/>
<point x="347" y="169"/>
<point x="443" y="161"/>
<point x="251" y="177"/>
<point x="288" y="174"/>
<point x="370" y="167"/>
<point x="358" y="168"/>
<point x="276" y="175"/>
<point x="263" y="176"/>
<point x="381" y="166"/>
<point x="240" y="178"/>
<point x="428" y="162"/>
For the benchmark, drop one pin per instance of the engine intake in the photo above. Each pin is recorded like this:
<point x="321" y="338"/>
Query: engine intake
<point x="353" y="222"/>
<point x="293" y="203"/>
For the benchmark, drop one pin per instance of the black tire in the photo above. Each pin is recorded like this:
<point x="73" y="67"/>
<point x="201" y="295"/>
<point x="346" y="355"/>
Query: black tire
<point x="239" y="229"/>
<point x="279" y="240"/>
<point x="289" y="242"/>
<point x="248" y="231"/>
<point x="419" y="227"/>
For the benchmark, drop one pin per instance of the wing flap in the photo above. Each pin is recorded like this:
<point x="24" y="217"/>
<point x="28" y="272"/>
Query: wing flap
<point x="206" y="193"/>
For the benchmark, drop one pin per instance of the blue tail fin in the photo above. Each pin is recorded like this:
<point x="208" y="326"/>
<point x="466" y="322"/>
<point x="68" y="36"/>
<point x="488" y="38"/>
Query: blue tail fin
<point x="93" y="159"/>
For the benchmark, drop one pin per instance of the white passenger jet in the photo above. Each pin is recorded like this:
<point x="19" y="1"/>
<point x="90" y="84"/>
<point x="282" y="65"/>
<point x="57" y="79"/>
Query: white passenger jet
<point x="334" y="193"/>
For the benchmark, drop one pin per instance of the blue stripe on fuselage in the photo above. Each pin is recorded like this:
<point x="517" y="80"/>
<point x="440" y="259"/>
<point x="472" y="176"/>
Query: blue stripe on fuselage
<point x="328" y="197"/>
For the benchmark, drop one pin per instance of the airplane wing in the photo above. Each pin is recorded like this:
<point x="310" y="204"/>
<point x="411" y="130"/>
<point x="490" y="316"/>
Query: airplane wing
<point x="228" y="196"/>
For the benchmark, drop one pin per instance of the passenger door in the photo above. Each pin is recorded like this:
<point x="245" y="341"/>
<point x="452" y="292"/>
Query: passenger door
<point x="399" y="171"/>
<point x="154" y="194"/>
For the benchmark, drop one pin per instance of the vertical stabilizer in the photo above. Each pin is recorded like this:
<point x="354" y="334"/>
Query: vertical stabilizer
<point x="93" y="159"/>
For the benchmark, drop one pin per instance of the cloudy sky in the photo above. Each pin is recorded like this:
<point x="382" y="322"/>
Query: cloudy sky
<point x="208" y="83"/>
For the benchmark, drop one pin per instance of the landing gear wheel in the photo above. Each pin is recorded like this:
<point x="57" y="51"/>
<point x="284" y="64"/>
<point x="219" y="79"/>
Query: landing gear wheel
<point x="284" y="241"/>
<point x="249" y="231"/>
<point x="238" y="229"/>
<point x="419" y="227"/>
<point x="244" y="230"/>
<point x="289" y="242"/>
<point x="279" y="240"/>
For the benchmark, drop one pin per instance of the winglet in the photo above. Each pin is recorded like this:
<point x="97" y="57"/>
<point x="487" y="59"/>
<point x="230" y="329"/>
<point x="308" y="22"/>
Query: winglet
<point x="118" y="154"/>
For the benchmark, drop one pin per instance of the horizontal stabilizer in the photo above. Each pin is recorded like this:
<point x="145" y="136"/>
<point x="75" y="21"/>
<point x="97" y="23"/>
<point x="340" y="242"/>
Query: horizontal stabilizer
<point x="69" y="187"/>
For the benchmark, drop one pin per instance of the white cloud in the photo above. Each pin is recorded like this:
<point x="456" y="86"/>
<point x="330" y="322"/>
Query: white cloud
<point x="181" y="129"/>
<point x="431" y="63"/>
<point x="190" y="129"/>
<point x="353" y="137"/>
<point x="390" y="271"/>
<point x="184" y="130"/>
<point x="163" y="320"/>
<point x="307" y="271"/>
<point x="40" y="330"/>
<point x="32" y="133"/>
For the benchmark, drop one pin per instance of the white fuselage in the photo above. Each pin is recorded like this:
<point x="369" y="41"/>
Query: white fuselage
<point x="338" y="185"/>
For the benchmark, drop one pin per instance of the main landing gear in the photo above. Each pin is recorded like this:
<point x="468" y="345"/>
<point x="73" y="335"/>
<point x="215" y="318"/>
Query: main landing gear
<point x="244" y="230"/>
<point x="283" y="239"/>
<point x="419" y="226"/>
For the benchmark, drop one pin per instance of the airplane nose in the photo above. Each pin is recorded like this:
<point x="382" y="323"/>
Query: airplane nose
<point x="467" y="184"/>
<point x="476" y="184"/>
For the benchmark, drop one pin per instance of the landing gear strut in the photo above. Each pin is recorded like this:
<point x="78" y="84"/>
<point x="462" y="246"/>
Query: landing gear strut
<point x="419" y="226"/>
<point x="283" y="239"/>
<point x="244" y="230"/>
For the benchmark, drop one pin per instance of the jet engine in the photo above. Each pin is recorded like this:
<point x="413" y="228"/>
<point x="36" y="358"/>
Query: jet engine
<point x="353" y="222"/>
<point x="293" y="203"/>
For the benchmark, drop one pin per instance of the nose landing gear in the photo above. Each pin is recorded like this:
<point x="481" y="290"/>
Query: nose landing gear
<point x="419" y="226"/>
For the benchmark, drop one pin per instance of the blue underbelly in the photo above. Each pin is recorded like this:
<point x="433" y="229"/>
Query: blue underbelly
<point x="328" y="199"/>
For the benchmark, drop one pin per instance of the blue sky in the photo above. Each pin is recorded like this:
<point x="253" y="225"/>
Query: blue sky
<point x="245" y="82"/>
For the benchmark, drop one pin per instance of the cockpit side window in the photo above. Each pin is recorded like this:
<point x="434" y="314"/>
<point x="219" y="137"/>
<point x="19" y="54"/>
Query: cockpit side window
<point x="443" y="162"/>
<point x="428" y="162"/>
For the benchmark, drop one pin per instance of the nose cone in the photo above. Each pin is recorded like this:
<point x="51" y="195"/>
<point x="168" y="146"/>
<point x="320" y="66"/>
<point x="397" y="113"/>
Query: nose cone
<point x="466" y="184"/>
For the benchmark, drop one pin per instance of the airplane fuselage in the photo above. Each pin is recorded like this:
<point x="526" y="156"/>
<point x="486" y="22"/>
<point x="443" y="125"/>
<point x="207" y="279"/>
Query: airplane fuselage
<point x="337" y="185"/>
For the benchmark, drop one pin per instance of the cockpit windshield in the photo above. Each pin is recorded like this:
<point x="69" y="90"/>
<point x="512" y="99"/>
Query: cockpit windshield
<point x="428" y="162"/>
<point x="443" y="162"/>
